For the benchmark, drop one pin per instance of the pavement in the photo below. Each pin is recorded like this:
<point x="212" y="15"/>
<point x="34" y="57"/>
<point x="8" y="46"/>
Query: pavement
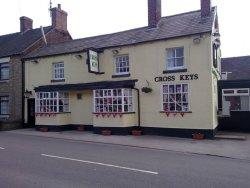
<point x="230" y="148"/>
<point x="29" y="161"/>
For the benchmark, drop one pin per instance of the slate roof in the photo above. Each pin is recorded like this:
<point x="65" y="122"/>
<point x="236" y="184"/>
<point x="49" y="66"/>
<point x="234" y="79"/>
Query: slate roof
<point x="185" y="24"/>
<point x="239" y="66"/>
<point x="16" y="43"/>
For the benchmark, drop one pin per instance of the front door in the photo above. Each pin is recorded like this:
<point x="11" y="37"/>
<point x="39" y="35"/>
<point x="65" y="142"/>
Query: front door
<point x="31" y="112"/>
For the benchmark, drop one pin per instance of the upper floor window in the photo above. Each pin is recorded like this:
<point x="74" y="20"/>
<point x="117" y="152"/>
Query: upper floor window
<point x="175" y="98"/>
<point x="175" y="58"/>
<point x="58" y="71"/>
<point x="4" y="105"/>
<point x="4" y="71"/>
<point x="122" y="64"/>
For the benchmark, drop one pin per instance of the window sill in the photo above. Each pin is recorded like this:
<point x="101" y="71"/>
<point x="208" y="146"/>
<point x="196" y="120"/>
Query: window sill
<point x="51" y="113"/>
<point x="4" y="81"/>
<point x="178" y="112"/>
<point x="121" y="75"/>
<point x="56" y="81"/>
<point x="4" y="116"/>
<point x="113" y="113"/>
<point x="174" y="71"/>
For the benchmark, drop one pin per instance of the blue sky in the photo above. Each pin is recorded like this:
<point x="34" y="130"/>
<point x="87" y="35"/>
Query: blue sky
<point x="94" y="17"/>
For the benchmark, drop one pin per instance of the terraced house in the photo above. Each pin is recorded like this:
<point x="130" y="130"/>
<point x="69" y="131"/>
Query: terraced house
<point x="160" y="79"/>
<point x="13" y="47"/>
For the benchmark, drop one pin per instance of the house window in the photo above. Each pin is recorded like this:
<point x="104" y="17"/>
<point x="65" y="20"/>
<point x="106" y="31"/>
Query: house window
<point x="113" y="101"/>
<point x="175" y="58"/>
<point x="4" y="105"/>
<point x="122" y="64"/>
<point x="175" y="98"/>
<point x="239" y="99"/>
<point x="58" y="71"/>
<point x="4" y="71"/>
<point x="52" y="102"/>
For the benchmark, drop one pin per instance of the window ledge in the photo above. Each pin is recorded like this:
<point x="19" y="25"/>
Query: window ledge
<point x="174" y="71"/>
<point x="60" y="80"/>
<point x="4" y="116"/>
<point x="178" y="112"/>
<point x="113" y="113"/>
<point x="4" y="81"/>
<point x="121" y="75"/>
<point x="52" y="113"/>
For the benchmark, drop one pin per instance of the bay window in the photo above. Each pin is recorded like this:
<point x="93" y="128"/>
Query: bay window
<point x="113" y="101"/>
<point x="175" y="98"/>
<point x="52" y="102"/>
<point x="238" y="98"/>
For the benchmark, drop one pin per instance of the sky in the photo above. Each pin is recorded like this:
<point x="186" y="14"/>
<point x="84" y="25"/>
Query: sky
<point x="95" y="17"/>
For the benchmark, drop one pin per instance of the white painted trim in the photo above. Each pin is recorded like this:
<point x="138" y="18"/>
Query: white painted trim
<point x="101" y="164"/>
<point x="5" y="60"/>
<point x="181" y="92"/>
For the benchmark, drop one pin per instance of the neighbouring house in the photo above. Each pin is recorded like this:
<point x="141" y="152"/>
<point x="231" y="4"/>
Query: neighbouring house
<point x="13" y="47"/>
<point x="159" y="79"/>
<point x="234" y="94"/>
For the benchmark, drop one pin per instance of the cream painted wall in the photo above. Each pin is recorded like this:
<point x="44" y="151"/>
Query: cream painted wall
<point x="147" y="61"/>
<point x="81" y="110"/>
<point x="59" y="119"/>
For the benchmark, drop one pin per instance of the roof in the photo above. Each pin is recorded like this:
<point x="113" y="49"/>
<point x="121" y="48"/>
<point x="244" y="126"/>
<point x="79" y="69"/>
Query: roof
<point x="184" y="24"/>
<point x="84" y="86"/>
<point x="16" y="43"/>
<point x="239" y="66"/>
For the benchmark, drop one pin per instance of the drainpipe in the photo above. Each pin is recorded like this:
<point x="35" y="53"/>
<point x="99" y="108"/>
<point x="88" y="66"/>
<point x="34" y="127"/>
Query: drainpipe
<point x="139" y="110"/>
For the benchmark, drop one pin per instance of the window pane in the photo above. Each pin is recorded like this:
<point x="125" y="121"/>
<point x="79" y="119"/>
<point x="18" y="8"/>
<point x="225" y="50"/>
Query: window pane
<point x="179" y="52"/>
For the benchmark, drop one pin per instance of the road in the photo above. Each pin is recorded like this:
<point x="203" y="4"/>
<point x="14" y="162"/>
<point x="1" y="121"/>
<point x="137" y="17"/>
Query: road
<point x="31" y="161"/>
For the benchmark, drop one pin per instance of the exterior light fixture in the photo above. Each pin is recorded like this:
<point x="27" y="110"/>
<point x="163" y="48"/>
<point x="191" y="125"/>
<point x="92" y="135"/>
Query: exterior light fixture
<point x="27" y="93"/>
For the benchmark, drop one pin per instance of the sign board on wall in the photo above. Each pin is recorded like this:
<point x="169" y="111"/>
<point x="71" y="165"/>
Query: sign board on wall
<point x="93" y="61"/>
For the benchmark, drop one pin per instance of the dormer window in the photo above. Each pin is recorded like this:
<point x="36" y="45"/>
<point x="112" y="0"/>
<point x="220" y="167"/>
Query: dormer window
<point x="175" y="58"/>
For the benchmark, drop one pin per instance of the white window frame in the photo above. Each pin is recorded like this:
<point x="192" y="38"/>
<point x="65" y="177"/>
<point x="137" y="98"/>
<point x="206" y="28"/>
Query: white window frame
<point x="118" y="67"/>
<point x="7" y="101"/>
<point x="50" y="102"/>
<point x="182" y="93"/>
<point x="58" y="71"/>
<point x="122" y="94"/>
<point x="174" y="58"/>
<point x="235" y="93"/>
<point x="5" y="65"/>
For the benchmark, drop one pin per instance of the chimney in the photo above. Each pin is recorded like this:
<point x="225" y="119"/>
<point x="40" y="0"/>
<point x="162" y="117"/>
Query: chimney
<point x="206" y="7"/>
<point x="25" y="24"/>
<point x="154" y="13"/>
<point x="59" y="18"/>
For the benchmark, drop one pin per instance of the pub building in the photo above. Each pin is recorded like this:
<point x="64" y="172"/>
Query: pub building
<point x="160" y="79"/>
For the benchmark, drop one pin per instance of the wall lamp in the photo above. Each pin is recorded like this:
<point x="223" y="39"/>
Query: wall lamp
<point x="27" y="93"/>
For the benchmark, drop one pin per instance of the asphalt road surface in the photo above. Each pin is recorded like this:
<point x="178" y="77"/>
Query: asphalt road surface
<point x="30" y="162"/>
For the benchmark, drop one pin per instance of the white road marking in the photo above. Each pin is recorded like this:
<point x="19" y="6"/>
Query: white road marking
<point x="102" y="164"/>
<point x="2" y="148"/>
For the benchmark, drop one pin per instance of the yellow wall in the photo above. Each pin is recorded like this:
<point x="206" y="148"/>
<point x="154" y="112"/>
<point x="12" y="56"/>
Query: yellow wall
<point x="147" y="61"/>
<point x="58" y="119"/>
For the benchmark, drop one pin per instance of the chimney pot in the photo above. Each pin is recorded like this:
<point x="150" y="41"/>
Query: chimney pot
<point x="59" y="18"/>
<point x="154" y="13"/>
<point x="25" y="24"/>
<point x="206" y="8"/>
